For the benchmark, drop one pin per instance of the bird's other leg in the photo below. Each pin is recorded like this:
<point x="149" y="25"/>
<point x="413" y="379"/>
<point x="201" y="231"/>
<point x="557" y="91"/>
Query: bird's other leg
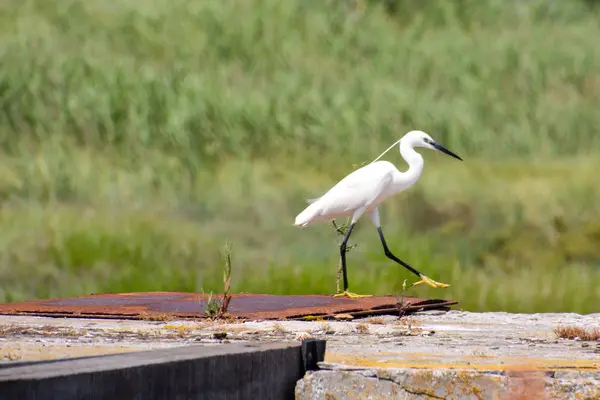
<point x="343" y="251"/>
<point x="391" y="256"/>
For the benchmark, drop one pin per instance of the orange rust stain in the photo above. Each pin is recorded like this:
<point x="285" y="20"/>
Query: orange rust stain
<point x="457" y="323"/>
<point x="525" y="385"/>
<point x="54" y="352"/>
<point x="432" y="356"/>
<point x="509" y="363"/>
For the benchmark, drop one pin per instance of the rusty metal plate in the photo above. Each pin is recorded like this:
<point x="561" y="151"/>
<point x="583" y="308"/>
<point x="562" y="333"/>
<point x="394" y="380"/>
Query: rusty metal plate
<point x="168" y="305"/>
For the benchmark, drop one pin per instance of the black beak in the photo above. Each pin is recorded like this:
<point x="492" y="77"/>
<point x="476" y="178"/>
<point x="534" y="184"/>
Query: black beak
<point x="444" y="150"/>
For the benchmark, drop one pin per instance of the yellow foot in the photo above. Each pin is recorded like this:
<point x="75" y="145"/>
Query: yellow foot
<point x="431" y="283"/>
<point x="351" y="295"/>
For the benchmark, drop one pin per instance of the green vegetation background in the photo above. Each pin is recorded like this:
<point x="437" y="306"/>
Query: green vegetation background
<point x="139" y="136"/>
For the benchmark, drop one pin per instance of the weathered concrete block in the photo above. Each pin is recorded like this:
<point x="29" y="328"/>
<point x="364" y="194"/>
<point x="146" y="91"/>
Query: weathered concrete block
<point x="413" y="384"/>
<point x="332" y="385"/>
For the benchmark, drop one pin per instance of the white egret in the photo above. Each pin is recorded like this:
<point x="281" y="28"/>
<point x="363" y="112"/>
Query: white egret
<point x="363" y="190"/>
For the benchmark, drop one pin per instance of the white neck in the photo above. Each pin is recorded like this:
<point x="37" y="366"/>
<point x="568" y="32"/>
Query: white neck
<point x="413" y="159"/>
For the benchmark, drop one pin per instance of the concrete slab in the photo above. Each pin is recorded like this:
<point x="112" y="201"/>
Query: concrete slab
<point x="427" y="346"/>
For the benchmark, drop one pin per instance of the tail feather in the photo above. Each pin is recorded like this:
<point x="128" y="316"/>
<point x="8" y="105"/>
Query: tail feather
<point x="310" y="201"/>
<point x="306" y="216"/>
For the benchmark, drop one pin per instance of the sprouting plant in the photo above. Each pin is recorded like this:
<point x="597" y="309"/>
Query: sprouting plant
<point x="226" y="277"/>
<point x="341" y="230"/>
<point x="213" y="306"/>
<point x="402" y="307"/>
<point x="216" y="308"/>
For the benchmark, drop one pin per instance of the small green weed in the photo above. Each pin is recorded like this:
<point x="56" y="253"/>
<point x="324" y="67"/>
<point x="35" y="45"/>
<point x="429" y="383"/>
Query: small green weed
<point x="217" y="308"/>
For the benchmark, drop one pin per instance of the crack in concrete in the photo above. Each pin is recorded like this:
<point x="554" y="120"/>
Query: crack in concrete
<point x="419" y="393"/>
<point x="406" y="388"/>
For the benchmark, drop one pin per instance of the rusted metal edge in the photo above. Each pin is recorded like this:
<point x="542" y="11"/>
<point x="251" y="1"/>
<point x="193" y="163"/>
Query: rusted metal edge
<point x="173" y="305"/>
<point x="356" y="313"/>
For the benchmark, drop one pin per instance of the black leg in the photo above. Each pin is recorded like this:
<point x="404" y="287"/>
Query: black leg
<point x="343" y="254"/>
<point x="391" y="256"/>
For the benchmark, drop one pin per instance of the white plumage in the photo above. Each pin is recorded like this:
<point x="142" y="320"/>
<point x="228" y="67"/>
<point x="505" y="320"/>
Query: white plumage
<point x="363" y="190"/>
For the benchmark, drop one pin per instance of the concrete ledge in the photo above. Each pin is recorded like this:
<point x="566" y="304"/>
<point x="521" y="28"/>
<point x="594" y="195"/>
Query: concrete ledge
<point x="244" y="371"/>
<point x="453" y="354"/>
<point x="413" y="384"/>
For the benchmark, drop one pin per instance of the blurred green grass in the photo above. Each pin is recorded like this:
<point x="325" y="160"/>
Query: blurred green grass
<point x="138" y="137"/>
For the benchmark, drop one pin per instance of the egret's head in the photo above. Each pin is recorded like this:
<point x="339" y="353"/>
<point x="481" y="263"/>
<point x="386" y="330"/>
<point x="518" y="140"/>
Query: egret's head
<point x="422" y="139"/>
